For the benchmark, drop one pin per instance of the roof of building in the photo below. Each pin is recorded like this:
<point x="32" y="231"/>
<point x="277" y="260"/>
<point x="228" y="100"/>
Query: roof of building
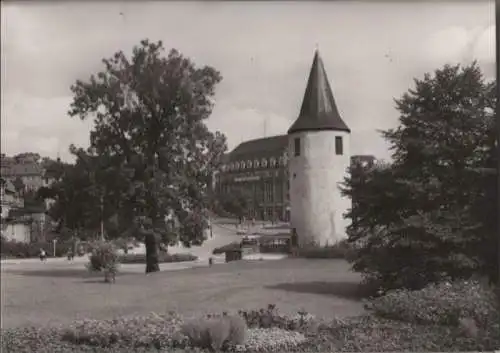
<point x="260" y="147"/>
<point x="318" y="111"/>
<point x="22" y="169"/>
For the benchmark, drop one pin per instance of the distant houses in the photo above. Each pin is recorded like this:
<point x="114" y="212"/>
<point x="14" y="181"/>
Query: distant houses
<point x="20" y="180"/>
<point x="13" y="228"/>
<point x="10" y="198"/>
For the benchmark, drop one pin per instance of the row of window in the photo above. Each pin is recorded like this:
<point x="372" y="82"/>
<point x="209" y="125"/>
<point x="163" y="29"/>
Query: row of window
<point x="256" y="163"/>
<point x="269" y="213"/>
<point x="339" y="146"/>
<point x="282" y="161"/>
<point x="265" y="192"/>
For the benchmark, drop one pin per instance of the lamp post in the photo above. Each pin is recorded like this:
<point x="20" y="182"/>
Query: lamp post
<point x="102" y="216"/>
<point x="497" y="30"/>
<point x="101" y="203"/>
<point x="54" y="242"/>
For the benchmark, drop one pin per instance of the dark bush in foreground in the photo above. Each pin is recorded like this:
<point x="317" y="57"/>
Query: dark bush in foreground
<point x="444" y="304"/>
<point x="162" y="258"/>
<point x="373" y="334"/>
<point x="216" y="333"/>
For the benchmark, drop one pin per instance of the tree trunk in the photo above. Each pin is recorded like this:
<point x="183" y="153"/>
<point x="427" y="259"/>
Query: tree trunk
<point x="151" y="252"/>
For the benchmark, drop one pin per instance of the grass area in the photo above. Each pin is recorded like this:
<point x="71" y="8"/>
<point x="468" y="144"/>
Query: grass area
<point x="322" y="288"/>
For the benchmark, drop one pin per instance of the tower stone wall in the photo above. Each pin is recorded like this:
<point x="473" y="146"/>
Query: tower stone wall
<point x="317" y="206"/>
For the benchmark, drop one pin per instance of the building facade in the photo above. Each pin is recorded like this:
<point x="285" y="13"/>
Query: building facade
<point x="259" y="168"/>
<point x="17" y="230"/>
<point x="9" y="198"/>
<point x="29" y="171"/>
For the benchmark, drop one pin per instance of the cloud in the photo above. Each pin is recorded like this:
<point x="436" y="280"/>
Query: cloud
<point x="458" y="44"/>
<point x="40" y="125"/>
<point x="371" y="53"/>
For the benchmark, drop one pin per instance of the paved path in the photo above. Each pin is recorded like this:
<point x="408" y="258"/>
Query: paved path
<point x="222" y="235"/>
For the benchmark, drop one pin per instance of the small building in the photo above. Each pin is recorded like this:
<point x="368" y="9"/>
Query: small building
<point x="17" y="230"/>
<point x="234" y="255"/>
<point x="9" y="197"/>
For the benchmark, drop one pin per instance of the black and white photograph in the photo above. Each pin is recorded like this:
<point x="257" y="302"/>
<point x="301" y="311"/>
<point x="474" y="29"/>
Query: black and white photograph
<point x="249" y="176"/>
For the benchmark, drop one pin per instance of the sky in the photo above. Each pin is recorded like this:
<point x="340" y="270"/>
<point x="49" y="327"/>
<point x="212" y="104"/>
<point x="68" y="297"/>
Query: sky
<point x="371" y="52"/>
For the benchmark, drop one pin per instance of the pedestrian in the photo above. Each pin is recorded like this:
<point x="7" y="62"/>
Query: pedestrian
<point x="43" y="255"/>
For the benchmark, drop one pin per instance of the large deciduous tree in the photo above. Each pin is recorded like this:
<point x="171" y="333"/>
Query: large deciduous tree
<point x="428" y="215"/>
<point x="149" y="115"/>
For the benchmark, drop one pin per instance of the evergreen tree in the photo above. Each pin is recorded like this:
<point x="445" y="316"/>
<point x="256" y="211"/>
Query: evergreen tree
<point x="418" y="219"/>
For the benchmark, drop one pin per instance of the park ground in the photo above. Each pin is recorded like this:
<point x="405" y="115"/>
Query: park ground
<point x="59" y="292"/>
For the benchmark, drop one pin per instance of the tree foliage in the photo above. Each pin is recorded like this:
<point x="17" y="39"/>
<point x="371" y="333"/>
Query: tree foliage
<point x="155" y="153"/>
<point x="422" y="217"/>
<point x="236" y="202"/>
<point x="27" y="157"/>
<point x="75" y="205"/>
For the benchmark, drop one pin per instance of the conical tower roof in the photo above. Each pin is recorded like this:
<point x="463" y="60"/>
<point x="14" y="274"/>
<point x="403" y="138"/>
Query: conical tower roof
<point x="318" y="111"/>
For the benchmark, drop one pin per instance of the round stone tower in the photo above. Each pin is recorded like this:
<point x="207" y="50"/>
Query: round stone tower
<point x="318" y="143"/>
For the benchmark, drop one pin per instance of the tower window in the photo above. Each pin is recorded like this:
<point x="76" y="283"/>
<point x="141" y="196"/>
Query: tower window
<point x="297" y="147"/>
<point x="339" y="147"/>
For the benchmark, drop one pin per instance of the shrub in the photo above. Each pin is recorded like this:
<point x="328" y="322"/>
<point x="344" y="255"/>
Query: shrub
<point x="370" y="333"/>
<point x="216" y="332"/>
<point x="104" y="257"/>
<point x="15" y="249"/>
<point x="162" y="258"/>
<point x="271" y="340"/>
<point x="144" y="331"/>
<point x="337" y="251"/>
<point x="445" y="303"/>
<point x="270" y="317"/>
<point x="122" y="244"/>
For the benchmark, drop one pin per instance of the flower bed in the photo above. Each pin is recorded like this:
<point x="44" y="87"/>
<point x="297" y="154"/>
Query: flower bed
<point x="162" y="258"/>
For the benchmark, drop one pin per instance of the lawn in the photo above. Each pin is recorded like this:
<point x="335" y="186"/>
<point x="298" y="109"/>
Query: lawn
<point x="59" y="295"/>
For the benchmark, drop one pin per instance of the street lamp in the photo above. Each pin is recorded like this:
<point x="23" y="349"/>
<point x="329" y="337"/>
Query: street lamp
<point x="497" y="30"/>
<point x="101" y="192"/>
